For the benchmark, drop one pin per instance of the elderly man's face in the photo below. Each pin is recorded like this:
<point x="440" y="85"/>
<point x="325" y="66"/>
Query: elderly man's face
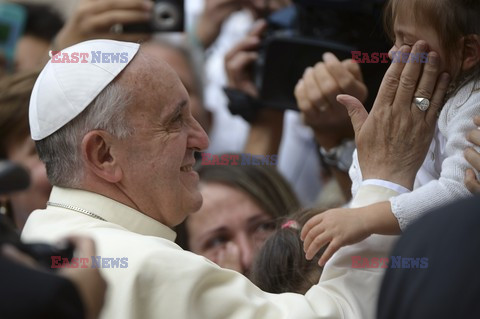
<point x="157" y="159"/>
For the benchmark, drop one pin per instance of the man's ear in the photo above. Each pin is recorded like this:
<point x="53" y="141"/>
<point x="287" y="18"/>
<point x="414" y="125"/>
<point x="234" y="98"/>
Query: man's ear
<point x="471" y="51"/>
<point x="98" y="157"/>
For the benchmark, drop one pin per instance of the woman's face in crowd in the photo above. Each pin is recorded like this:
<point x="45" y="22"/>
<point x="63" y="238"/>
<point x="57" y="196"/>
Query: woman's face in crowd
<point x="36" y="196"/>
<point x="230" y="227"/>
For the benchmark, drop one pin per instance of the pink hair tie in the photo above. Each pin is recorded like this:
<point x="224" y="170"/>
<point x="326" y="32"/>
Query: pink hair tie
<point x="290" y="224"/>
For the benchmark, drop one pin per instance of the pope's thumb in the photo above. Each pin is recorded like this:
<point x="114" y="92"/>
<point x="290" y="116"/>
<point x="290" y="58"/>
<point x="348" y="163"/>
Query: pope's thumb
<point x="355" y="109"/>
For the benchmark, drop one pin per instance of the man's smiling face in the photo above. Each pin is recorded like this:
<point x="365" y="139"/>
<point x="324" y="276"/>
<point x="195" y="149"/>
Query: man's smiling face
<point x="157" y="158"/>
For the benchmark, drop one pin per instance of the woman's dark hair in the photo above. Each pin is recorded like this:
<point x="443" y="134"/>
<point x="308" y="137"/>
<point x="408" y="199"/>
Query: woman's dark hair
<point x="264" y="184"/>
<point x="15" y="91"/>
<point x="280" y="265"/>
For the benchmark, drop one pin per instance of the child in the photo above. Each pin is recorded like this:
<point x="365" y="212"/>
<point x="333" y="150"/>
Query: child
<point x="451" y="29"/>
<point x="280" y="265"/>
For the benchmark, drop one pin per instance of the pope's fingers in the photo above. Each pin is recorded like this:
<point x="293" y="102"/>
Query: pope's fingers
<point x="390" y="83"/>
<point x="356" y="111"/>
<point x="428" y="79"/>
<point x="437" y="100"/>
<point x="410" y="77"/>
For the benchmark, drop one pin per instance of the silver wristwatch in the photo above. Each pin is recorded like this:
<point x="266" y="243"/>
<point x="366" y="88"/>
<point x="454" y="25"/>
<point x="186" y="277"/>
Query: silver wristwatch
<point x="339" y="156"/>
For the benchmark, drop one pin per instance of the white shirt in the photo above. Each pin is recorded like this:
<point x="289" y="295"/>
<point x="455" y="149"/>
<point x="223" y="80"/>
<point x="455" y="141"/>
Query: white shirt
<point x="164" y="281"/>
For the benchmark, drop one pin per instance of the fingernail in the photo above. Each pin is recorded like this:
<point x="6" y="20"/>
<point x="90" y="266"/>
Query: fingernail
<point x="328" y="57"/>
<point x="445" y="77"/>
<point x="421" y="46"/>
<point x="433" y="58"/>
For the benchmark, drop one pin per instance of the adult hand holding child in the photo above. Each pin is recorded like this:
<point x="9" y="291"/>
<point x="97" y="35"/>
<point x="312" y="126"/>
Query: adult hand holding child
<point x="392" y="142"/>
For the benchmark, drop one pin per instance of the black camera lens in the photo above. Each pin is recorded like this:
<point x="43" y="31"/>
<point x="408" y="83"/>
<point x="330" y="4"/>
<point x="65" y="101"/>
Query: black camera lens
<point x="166" y="16"/>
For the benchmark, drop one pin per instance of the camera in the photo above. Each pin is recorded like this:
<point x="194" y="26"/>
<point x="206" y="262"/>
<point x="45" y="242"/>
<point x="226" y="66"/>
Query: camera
<point x="41" y="253"/>
<point x="167" y="16"/>
<point x="298" y="35"/>
<point x="14" y="178"/>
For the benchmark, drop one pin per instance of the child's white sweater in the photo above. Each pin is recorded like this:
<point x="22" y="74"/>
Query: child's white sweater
<point x="440" y="180"/>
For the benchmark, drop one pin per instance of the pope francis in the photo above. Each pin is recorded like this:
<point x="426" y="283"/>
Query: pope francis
<point x="118" y="141"/>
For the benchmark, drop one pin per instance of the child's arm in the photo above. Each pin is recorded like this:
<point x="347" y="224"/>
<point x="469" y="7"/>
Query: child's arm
<point x="455" y="123"/>
<point x="346" y="226"/>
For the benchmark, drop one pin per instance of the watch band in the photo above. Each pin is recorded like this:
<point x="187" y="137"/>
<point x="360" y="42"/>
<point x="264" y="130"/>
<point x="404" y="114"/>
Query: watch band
<point x="339" y="156"/>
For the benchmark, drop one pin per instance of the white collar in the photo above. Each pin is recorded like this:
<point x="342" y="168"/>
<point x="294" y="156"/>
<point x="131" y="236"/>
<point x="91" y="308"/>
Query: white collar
<point x="110" y="210"/>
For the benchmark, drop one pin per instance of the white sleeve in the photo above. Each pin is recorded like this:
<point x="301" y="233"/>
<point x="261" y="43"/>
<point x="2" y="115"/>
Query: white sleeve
<point x="455" y="123"/>
<point x="192" y="287"/>
<point x="355" y="173"/>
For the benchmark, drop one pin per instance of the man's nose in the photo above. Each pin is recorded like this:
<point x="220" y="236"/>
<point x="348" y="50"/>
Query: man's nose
<point x="198" y="138"/>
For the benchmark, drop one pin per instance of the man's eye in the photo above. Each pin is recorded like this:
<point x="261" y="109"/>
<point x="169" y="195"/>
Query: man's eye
<point x="178" y="119"/>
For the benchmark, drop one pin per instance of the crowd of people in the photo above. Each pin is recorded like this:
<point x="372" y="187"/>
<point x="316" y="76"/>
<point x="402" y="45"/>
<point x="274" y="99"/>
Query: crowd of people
<point x="368" y="163"/>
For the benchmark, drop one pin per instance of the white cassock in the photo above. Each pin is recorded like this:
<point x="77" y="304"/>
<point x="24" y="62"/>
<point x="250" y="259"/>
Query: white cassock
<point x="163" y="281"/>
